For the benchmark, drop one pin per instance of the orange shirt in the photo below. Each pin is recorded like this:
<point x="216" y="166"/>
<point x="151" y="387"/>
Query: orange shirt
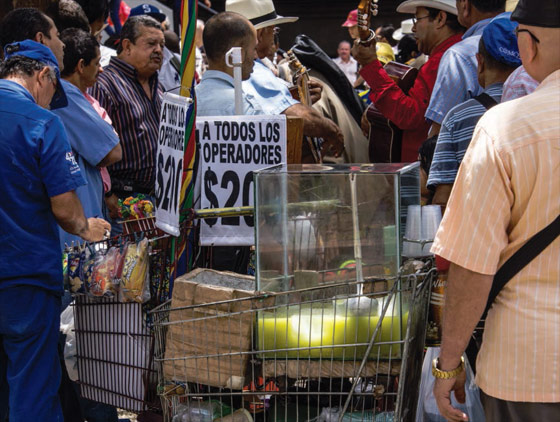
<point x="508" y="189"/>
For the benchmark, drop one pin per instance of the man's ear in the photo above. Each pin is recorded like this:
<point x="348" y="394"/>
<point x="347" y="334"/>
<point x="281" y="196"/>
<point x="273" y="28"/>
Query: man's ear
<point x="259" y="35"/>
<point x="44" y="76"/>
<point x="126" y="43"/>
<point x="39" y="37"/>
<point x="80" y="67"/>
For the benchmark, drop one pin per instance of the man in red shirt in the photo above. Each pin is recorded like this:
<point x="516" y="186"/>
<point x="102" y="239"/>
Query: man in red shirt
<point x="436" y="29"/>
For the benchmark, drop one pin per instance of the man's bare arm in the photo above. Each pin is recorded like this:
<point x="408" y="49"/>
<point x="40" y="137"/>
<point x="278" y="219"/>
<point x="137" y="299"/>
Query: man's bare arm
<point x="69" y="214"/>
<point x="317" y="126"/>
<point x="442" y="194"/>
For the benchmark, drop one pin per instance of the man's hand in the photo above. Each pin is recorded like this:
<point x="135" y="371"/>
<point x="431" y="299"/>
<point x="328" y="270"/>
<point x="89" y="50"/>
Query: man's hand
<point x="365" y="124"/>
<point x="364" y="54"/>
<point x="315" y="90"/>
<point x="442" y="394"/>
<point x="333" y="145"/>
<point x="96" y="230"/>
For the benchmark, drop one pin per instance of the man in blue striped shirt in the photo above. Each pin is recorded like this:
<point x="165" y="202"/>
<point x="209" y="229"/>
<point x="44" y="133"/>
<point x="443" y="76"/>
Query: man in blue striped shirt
<point x="498" y="57"/>
<point x="457" y="75"/>
<point x="129" y="90"/>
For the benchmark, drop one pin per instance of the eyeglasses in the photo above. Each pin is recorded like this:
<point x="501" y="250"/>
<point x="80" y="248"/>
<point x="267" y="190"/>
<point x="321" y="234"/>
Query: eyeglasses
<point x="517" y="31"/>
<point x="415" y="19"/>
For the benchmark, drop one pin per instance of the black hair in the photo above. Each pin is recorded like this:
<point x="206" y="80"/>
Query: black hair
<point x="426" y="152"/>
<point x="407" y="46"/>
<point x="488" y="6"/>
<point x="386" y="32"/>
<point x="20" y="66"/>
<point x="131" y="28"/>
<point x="23" y="24"/>
<point x="491" y="62"/>
<point x="68" y="14"/>
<point x="451" y="21"/>
<point x="79" y="44"/>
<point x="224" y="31"/>
<point x="95" y="9"/>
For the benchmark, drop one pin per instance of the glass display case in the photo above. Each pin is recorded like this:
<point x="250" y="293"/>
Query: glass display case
<point x="330" y="223"/>
<point x="329" y="239"/>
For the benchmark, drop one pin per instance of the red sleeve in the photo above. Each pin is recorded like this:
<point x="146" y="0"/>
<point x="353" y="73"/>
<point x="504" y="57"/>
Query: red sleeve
<point x="406" y="111"/>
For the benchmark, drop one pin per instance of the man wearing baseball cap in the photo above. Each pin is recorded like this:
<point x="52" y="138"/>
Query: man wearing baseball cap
<point x="436" y="29"/>
<point x="39" y="175"/>
<point x="506" y="192"/>
<point x="498" y="57"/>
<point x="351" y="23"/>
<point x="271" y="93"/>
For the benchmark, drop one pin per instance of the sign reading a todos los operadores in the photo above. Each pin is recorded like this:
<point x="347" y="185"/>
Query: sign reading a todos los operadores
<point x="231" y="148"/>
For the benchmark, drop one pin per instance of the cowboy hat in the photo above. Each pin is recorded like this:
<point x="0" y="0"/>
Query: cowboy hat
<point x="261" y="13"/>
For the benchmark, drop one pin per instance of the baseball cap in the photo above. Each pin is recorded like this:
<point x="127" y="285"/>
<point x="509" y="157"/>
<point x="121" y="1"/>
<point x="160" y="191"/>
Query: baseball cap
<point x="544" y="13"/>
<point x="148" y="9"/>
<point x="39" y="52"/>
<point x="410" y="6"/>
<point x="500" y="41"/>
<point x="261" y="13"/>
<point x="352" y="19"/>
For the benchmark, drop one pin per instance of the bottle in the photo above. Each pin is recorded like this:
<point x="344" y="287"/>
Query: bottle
<point x="435" y="312"/>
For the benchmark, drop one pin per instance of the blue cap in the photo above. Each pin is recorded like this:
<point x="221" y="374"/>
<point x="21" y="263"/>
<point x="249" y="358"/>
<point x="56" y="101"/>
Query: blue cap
<point x="147" y="9"/>
<point x="500" y="41"/>
<point x="39" y="52"/>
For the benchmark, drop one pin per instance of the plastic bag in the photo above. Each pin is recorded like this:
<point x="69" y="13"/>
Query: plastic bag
<point x="76" y="257"/>
<point x="104" y="269"/>
<point x="67" y="328"/>
<point x="136" y="275"/>
<point x="427" y="410"/>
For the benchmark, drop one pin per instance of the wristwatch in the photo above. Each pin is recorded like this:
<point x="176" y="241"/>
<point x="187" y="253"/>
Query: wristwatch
<point x="445" y="375"/>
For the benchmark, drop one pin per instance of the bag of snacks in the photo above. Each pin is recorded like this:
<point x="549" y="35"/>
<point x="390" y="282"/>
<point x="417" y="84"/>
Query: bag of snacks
<point x="135" y="275"/>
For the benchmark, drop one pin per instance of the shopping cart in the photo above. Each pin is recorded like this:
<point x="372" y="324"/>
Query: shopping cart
<point x="114" y="340"/>
<point x="344" y="351"/>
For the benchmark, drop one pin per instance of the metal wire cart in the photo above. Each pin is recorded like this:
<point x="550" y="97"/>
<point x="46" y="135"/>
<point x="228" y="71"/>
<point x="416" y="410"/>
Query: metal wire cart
<point x="114" y="339"/>
<point x="333" y="328"/>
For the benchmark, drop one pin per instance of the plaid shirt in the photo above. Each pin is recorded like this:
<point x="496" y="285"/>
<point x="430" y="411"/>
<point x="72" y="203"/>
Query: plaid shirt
<point x="135" y="118"/>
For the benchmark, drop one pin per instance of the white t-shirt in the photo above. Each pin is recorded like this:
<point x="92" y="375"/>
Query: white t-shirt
<point x="349" y="68"/>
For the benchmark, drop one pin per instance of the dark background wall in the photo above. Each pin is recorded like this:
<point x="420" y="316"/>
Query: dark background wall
<point x="321" y="19"/>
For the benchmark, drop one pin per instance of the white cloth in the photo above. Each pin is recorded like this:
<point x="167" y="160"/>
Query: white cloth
<point x="106" y="54"/>
<point x="349" y="68"/>
<point x="168" y="77"/>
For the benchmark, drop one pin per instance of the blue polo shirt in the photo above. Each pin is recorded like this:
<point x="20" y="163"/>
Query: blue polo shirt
<point x="36" y="163"/>
<point x="269" y="91"/>
<point x="91" y="139"/>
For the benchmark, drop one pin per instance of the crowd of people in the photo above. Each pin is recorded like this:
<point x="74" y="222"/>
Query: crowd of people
<point x="79" y="127"/>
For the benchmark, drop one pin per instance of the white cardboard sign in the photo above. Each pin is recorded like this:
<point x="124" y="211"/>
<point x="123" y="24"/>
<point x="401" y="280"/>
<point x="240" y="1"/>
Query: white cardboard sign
<point x="169" y="162"/>
<point x="231" y="148"/>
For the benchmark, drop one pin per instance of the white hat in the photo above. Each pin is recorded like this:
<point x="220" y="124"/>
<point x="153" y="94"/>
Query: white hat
<point x="261" y="13"/>
<point x="406" y="28"/>
<point x="410" y="6"/>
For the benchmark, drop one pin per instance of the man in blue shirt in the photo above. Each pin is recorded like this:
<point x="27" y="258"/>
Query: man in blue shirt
<point x="39" y="174"/>
<point x="457" y="73"/>
<point x="94" y="141"/>
<point x="215" y="95"/>
<point x="498" y="57"/>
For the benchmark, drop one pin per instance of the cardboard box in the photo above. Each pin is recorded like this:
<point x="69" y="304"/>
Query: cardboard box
<point x="210" y="329"/>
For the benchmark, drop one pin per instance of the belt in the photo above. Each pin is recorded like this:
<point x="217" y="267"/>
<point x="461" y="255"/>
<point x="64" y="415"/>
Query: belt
<point x="128" y="187"/>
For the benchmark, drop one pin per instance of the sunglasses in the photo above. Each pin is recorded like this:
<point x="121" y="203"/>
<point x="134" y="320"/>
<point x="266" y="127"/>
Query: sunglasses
<point x="517" y="31"/>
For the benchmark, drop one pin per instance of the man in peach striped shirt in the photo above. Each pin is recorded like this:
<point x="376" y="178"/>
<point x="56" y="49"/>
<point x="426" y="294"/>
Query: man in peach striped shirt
<point x="507" y="190"/>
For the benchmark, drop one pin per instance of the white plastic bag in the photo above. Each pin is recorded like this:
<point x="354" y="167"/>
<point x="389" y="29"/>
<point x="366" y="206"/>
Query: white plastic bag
<point x="427" y="410"/>
<point x="67" y="328"/>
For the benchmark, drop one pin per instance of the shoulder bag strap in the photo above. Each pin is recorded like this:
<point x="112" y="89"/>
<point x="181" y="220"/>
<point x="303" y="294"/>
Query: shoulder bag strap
<point x="521" y="258"/>
<point x="486" y="100"/>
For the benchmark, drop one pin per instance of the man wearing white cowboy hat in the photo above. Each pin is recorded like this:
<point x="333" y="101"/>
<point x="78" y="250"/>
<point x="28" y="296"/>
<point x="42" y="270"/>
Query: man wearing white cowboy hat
<point x="436" y="29"/>
<point x="271" y="93"/>
<point x="457" y="79"/>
